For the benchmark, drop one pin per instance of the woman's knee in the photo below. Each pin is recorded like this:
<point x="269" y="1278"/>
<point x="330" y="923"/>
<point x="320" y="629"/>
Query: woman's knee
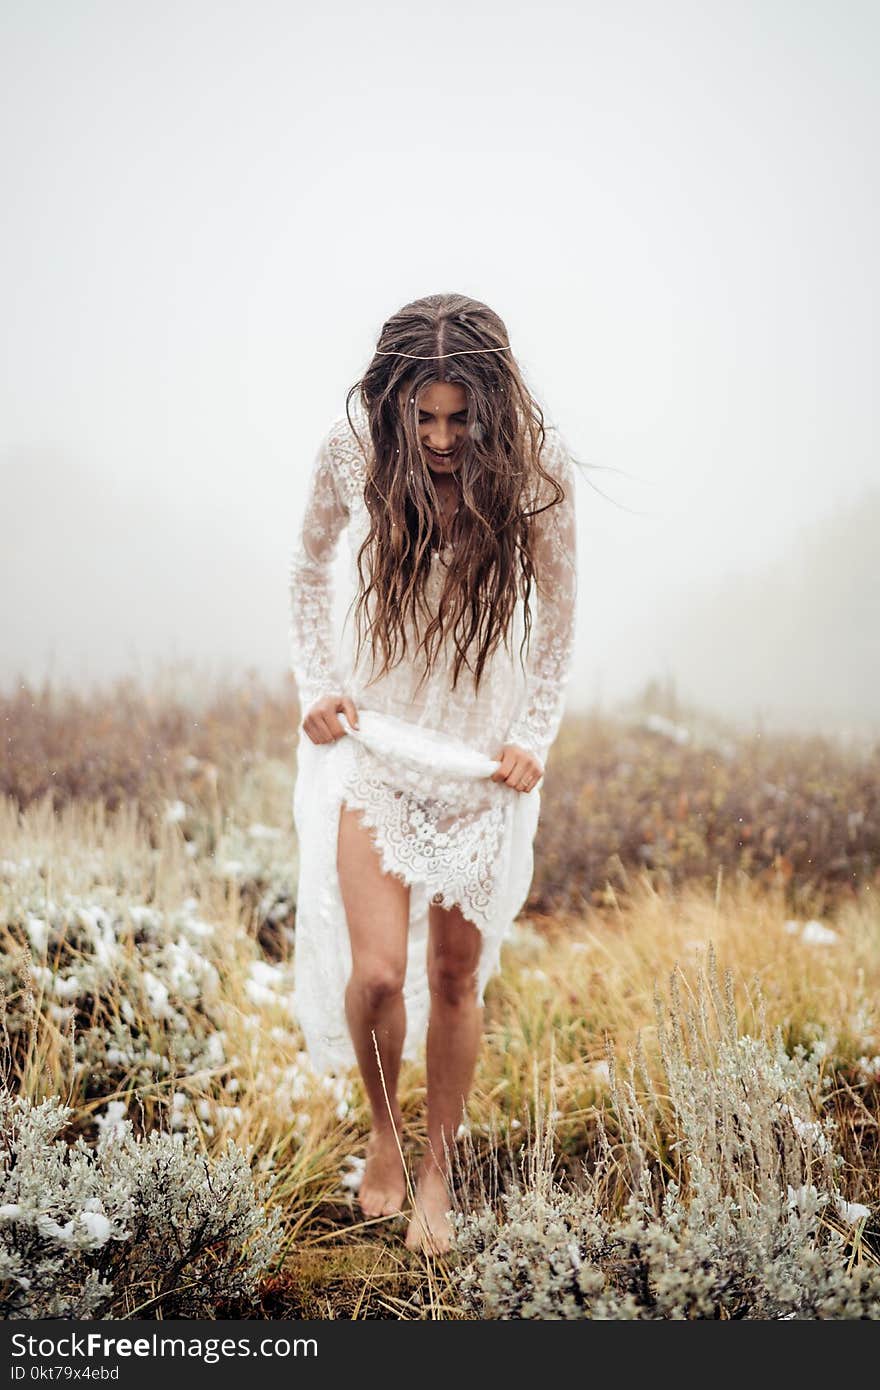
<point x="378" y="981"/>
<point x="452" y="981"/>
<point x="454" y="950"/>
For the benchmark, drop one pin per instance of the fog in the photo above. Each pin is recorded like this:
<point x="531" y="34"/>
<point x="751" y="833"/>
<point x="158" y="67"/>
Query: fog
<point x="210" y="209"/>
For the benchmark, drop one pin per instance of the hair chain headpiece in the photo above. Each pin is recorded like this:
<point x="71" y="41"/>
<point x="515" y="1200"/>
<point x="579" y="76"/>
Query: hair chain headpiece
<point x="434" y="357"/>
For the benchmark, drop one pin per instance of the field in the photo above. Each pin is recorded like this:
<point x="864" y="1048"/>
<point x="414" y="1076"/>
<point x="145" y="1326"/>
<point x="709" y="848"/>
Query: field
<point x="675" y="1111"/>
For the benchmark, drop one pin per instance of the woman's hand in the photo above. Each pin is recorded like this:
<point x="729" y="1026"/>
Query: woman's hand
<point x="519" y="768"/>
<point x="321" y="724"/>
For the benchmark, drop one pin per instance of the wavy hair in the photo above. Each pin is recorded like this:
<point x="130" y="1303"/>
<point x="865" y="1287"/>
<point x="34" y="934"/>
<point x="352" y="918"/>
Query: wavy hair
<point x="501" y="476"/>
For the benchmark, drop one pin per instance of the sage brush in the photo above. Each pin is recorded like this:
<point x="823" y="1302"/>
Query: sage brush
<point x="127" y="1229"/>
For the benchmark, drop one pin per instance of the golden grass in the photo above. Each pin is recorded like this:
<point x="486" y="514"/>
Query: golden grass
<point x="574" y="984"/>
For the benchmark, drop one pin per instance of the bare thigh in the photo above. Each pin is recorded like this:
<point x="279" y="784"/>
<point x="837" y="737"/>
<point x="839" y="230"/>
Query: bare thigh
<point x="376" y="903"/>
<point x="454" y="948"/>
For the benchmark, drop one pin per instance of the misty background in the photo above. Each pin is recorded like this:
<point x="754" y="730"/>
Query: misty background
<point x="210" y="210"/>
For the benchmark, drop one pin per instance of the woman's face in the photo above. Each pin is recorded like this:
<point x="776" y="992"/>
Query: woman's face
<point x="442" y="424"/>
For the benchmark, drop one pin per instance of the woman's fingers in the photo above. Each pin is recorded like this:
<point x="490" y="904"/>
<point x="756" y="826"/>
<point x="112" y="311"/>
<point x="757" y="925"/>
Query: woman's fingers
<point x="519" y="769"/>
<point x="317" y="729"/>
<point x="503" y="772"/>
<point x="321" y="723"/>
<point x="349" y="711"/>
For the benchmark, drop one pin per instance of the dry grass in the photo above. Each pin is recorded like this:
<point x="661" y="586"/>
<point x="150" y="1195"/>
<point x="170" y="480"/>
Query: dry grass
<point x="87" y="813"/>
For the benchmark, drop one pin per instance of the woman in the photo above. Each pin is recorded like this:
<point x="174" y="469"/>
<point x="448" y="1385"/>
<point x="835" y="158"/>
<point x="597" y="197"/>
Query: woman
<point x="422" y="748"/>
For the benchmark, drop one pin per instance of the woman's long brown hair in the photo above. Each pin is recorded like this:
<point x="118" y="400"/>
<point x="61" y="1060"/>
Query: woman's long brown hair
<point x="502" y="479"/>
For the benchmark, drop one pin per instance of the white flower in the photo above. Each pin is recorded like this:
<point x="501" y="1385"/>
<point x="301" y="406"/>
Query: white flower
<point x="215" y="1055"/>
<point x="264" y="832"/>
<point x="353" y="1179"/>
<point x="852" y="1211"/>
<point x="144" y="916"/>
<point x="813" y="933"/>
<point x="98" y="1227"/>
<point x="806" y="1199"/>
<point x="264" y="981"/>
<point x="38" y="931"/>
<point x="112" y="1121"/>
<point x="817" y="934"/>
<point x="67" y="989"/>
<point x="49" y="1228"/>
<point x="179" y="1103"/>
<point x="157" y="992"/>
<point x="869" y="1067"/>
<point x="808" y="1130"/>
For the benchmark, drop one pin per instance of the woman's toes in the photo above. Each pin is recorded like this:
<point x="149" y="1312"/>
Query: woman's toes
<point x="383" y="1185"/>
<point x="429" y="1228"/>
<point x="431" y="1236"/>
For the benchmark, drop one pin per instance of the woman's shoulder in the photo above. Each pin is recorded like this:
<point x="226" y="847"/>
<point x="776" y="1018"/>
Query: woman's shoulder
<point x="554" y="453"/>
<point x="346" y="442"/>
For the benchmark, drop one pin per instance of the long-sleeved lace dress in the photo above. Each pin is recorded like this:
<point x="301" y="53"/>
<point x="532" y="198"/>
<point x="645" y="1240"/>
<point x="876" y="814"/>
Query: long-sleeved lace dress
<point x="420" y="765"/>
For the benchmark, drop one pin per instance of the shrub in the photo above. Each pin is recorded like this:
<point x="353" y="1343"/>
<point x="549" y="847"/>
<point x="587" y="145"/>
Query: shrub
<point x="127" y="1229"/>
<point x="732" y="1208"/>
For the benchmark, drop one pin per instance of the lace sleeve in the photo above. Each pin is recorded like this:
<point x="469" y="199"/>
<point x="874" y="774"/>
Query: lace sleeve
<point x="312" y="655"/>
<point x="548" y="663"/>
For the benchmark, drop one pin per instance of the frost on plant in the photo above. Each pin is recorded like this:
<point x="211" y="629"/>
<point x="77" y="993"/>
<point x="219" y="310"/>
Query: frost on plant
<point x="130" y="1229"/>
<point x="741" y="1227"/>
<point x="136" y="986"/>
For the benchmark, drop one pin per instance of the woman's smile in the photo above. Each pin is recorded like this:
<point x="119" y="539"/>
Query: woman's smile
<point x="438" y="458"/>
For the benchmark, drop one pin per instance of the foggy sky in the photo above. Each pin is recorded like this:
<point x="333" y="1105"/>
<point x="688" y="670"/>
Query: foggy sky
<point x="210" y="209"/>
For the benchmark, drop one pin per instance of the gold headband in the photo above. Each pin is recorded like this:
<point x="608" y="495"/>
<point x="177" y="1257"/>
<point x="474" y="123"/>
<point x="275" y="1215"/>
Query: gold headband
<point x="434" y="357"/>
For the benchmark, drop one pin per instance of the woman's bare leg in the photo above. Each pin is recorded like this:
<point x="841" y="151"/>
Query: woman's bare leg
<point x="377" y="910"/>
<point x="455" y="1030"/>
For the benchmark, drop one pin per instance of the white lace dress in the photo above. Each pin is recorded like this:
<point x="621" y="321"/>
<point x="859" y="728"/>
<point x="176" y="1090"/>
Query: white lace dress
<point x="420" y="765"/>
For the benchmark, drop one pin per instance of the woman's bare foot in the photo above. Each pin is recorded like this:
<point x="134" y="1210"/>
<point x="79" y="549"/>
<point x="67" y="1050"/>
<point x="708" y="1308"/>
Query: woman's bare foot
<point x="429" y="1227"/>
<point x="383" y="1186"/>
